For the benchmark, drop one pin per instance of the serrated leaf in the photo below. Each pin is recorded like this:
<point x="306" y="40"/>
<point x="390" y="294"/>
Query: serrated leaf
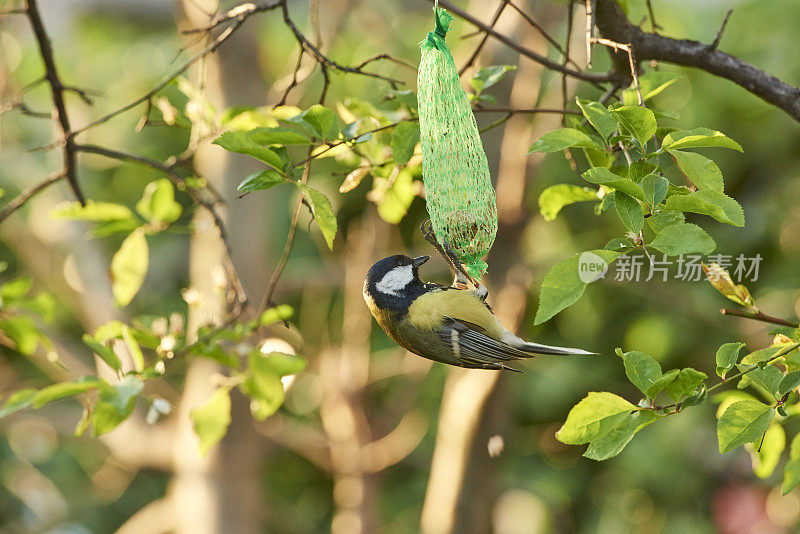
<point x="789" y="382"/>
<point x="617" y="437"/>
<point x="322" y="211"/>
<point x="19" y="400"/>
<point x="642" y="370"/>
<point x="603" y="176"/>
<point x="599" y="117"/>
<point x="654" y="188"/>
<point x="562" y="286"/>
<point x="129" y="267"/>
<point x="727" y="356"/>
<point x="260" y="181"/>
<point x="241" y="143"/>
<point x="683" y="238"/>
<point x="630" y="211"/>
<point x="322" y="121"/>
<point x="563" y="138"/>
<point x="639" y="121"/>
<point x="712" y="203"/>
<point x="158" y="202"/>
<point x="743" y="422"/>
<point x="659" y="221"/>
<point x="263" y="385"/>
<point x="700" y="170"/>
<point x="769" y="378"/>
<point x="661" y="383"/>
<point x="115" y="403"/>
<point x="556" y="197"/>
<point x="698" y="137"/>
<point x="63" y="390"/>
<point x="278" y="136"/>
<point x="685" y="383"/>
<point x="211" y="420"/>
<point x="592" y="417"/>
<point x="405" y="137"/>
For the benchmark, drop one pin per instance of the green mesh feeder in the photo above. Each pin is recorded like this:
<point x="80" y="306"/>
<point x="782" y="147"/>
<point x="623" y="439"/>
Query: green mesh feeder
<point x="460" y="197"/>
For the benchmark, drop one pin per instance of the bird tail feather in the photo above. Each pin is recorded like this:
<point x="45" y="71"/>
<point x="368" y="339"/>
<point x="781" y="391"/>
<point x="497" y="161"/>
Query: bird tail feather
<point x="538" y="348"/>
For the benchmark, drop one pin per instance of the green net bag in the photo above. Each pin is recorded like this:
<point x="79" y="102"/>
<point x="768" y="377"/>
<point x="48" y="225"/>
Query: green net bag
<point x="460" y="197"/>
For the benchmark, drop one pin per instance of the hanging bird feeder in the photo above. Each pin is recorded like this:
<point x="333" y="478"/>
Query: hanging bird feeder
<point x="460" y="197"/>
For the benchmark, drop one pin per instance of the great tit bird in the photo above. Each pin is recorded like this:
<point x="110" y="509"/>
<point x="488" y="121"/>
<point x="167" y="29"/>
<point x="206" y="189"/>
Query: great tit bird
<point x="441" y="323"/>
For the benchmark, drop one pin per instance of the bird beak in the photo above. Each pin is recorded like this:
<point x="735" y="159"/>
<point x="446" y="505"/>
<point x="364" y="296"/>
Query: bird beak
<point x="420" y="260"/>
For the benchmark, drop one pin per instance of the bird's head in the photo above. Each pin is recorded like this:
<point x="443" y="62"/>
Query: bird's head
<point x="393" y="280"/>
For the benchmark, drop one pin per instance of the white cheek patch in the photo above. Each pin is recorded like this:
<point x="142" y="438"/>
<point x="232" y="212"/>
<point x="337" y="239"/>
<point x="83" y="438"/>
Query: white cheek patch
<point x="395" y="280"/>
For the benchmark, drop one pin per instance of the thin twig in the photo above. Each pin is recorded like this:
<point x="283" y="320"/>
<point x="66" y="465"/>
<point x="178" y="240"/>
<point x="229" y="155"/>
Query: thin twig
<point x="530" y="20"/>
<point x="718" y="38"/>
<point x="24" y="196"/>
<point x="474" y="55"/>
<point x="589" y="36"/>
<point x="758" y="316"/>
<point x="57" y="89"/>
<point x="652" y="15"/>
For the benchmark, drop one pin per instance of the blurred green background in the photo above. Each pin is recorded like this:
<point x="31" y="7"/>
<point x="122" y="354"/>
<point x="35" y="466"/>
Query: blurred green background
<point x="278" y="476"/>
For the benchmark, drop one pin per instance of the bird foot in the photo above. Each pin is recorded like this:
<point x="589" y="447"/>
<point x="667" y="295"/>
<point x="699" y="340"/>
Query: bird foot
<point x="462" y="279"/>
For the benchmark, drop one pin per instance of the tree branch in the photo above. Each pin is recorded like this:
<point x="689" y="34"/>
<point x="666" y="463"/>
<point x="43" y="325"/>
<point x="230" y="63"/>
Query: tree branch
<point x="23" y="197"/>
<point x="613" y="24"/>
<point x="758" y="316"/>
<point x="57" y="88"/>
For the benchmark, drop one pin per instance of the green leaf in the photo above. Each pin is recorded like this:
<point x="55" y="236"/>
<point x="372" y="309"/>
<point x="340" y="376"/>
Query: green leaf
<point x="321" y="120"/>
<point x="404" y="138"/>
<point x="683" y="238"/>
<point x="769" y="378"/>
<point x="276" y="313"/>
<point x="702" y="172"/>
<point x="14" y="289"/>
<point x="64" y="390"/>
<point x="791" y="473"/>
<point x="618" y="436"/>
<point x="92" y="211"/>
<point x="115" y="404"/>
<point x="105" y="353"/>
<point x="743" y="422"/>
<point x="133" y="349"/>
<point x="211" y="420"/>
<point x="727" y="356"/>
<point x="650" y="85"/>
<point x="642" y="370"/>
<point x="661" y="383"/>
<point x="639" y="121"/>
<point x="662" y="219"/>
<point x="241" y="143"/>
<point x="556" y="197"/>
<point x="158" y="202"/>
<point x="698" y="137"/>
<point x="488" y="76"/>
<point x="603" y="176"/>
<point x="22" y="331"/>
<point x="789" y="382"/>
<point x="562" y="286"/>
<point x="654" y="188"/>
<point x="641" y="168"/>
<point x="599" y="117"/>
<point x="278" y="136"/>
<point x="685" y="383"/>
<point x="19" y="400"/>
<point x="129" y="267"/>
<point x="563" y="138"/>
<point x="712" y="203"/>
<point x="766" y="458"/>
<point x="263" y="384"/>
<point x="398" y="198"/>
<point x="261" y="180"/>
<point x="630" y="211"/>
<point x="322" y="211"/>
<point x="592" y="417"/>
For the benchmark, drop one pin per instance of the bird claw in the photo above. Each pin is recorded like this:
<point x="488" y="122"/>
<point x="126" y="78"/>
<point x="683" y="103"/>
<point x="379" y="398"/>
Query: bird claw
<point x="462" y="279"/>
